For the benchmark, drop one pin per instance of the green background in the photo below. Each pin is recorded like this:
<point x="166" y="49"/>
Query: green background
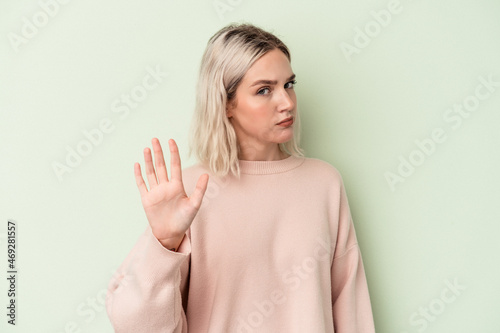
<point x="360" y="112"/>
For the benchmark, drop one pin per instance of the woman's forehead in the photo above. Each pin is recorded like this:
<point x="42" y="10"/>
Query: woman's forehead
<point x="272" y="66"/>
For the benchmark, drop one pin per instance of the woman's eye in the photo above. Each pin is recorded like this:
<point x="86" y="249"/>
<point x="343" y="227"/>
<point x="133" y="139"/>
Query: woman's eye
<point x="290" y="84"/>
<point x="263" y="91"/>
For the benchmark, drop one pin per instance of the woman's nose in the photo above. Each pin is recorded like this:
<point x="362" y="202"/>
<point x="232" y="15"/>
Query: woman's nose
<point x="286" y="102"/>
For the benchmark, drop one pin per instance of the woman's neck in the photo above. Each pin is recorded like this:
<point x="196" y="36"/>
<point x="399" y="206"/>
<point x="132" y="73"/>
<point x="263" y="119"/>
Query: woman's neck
<point x="270" y="153"/>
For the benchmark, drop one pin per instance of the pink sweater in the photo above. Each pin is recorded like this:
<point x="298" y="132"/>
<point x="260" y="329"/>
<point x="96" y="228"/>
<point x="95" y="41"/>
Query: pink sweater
<point x="275" y="251"/>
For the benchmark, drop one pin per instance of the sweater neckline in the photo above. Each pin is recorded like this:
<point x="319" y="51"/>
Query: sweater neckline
<point x="270" y="167"/>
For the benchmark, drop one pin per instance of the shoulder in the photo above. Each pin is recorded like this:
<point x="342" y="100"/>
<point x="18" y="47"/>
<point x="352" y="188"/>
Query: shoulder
<point x="322" y="169"/>
<point x="193" y="170"/>
<point x="191" y="174"/>
<point x="190" y="177"/>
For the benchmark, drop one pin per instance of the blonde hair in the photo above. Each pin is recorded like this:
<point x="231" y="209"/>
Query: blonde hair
<point x="228" y="56"/>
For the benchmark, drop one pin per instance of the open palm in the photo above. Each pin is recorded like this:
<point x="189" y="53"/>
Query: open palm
<point x="168" y="209"/>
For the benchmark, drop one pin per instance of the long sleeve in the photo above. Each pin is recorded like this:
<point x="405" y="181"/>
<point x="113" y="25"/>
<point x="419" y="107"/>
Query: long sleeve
<point x="352" y="312"/>
<point x="272" y="251"/>
<point x="148" y="291"/>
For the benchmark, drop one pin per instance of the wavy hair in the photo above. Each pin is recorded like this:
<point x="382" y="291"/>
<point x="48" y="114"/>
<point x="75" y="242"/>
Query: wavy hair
<point x="228" y="56"/>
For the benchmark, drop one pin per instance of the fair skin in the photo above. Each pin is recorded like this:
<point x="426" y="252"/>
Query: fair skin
<point x="263" y="99"/>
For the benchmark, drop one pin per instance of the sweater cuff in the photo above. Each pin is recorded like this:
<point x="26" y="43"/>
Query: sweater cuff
<point x="158" y="260"/>
<point x="184" y="248"/>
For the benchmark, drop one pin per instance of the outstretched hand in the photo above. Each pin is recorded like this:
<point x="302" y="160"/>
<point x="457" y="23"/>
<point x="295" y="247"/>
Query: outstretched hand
<point x="168" y="209"/>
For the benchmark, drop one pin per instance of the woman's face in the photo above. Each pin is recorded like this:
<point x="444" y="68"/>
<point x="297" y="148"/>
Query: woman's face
<point x="264" y="99"/>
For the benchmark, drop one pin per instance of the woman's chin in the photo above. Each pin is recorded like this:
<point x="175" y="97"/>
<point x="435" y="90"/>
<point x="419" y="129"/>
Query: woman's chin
<point x="285" y="136"/>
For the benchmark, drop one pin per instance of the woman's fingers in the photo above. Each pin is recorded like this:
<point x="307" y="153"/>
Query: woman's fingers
<point x="161" y="169"/>
<point x="150" y="171"/>
<point x="175" y="161"/>
<point x="139" y="180"/>
<point x="158" y="173"/>
<point x="199" y="191"/>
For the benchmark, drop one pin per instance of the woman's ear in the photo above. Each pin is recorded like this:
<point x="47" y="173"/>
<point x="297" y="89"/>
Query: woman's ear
<point x="229" y="108"/>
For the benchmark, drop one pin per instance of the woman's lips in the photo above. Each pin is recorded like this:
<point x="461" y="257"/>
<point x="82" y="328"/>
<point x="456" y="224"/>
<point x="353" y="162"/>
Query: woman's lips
<point x="286" y="122"/>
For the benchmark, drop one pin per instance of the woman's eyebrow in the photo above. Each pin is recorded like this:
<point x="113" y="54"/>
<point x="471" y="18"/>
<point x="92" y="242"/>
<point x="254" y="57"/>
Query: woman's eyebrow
<point x="270" y="82"/>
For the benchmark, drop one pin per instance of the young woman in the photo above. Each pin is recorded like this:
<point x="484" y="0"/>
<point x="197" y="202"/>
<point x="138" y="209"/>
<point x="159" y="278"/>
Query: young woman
<point x="263" y="241"/>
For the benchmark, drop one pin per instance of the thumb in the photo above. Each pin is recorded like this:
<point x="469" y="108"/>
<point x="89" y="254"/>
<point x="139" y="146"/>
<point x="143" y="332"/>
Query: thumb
<point x="198" y="193"/>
